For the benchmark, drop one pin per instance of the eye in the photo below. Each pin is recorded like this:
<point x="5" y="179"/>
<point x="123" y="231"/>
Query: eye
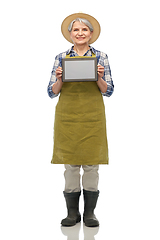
<point x="85" y="29"/>
<point x="76" y="29"/>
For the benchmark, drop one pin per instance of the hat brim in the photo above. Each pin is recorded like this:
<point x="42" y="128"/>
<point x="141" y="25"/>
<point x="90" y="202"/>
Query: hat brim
<point x="92" y="20"/>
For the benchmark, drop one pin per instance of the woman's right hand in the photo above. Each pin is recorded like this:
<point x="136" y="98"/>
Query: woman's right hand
<point x="56" y="88"/>
<point x="59" y="73"/>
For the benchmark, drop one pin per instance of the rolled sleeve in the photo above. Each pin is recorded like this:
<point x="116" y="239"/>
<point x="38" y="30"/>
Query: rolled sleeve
<point x="107" y="74"/>
<point x="53" y="78"/>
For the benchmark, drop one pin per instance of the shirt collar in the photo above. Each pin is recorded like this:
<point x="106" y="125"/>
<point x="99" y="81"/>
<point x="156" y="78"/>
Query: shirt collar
<point x="69" y="51"/>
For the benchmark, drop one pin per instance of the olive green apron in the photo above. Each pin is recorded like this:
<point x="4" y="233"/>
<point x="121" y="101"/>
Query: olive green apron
<point x="80" y="125"/>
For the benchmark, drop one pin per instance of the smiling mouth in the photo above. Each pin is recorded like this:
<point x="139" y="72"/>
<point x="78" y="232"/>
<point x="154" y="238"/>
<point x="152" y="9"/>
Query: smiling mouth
<point x="80" y="38"/>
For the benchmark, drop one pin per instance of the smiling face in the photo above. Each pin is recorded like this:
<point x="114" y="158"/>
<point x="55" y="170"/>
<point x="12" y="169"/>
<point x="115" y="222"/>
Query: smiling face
<point x="80" y="34"/>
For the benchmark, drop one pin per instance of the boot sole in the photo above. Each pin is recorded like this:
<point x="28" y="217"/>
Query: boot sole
<point x="91" y="223"/>
<point x="71" y="224"/>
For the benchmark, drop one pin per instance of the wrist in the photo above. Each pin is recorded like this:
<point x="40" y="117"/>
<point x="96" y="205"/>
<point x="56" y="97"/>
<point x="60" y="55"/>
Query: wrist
<point x="99" y="79"/>
<point x="102" y="85"/>
<point x="59" y="81"/>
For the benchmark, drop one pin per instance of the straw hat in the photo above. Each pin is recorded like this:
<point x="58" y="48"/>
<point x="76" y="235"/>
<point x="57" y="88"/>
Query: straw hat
<point x="92" y="20"/>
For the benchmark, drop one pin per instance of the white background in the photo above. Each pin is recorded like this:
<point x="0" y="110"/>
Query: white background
<point x="31" y="198"/>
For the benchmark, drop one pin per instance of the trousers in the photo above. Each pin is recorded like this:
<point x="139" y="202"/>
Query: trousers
<point x="72" y="176"/>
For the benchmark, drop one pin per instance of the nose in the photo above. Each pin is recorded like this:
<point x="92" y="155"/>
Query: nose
<point x="80" y="32"/>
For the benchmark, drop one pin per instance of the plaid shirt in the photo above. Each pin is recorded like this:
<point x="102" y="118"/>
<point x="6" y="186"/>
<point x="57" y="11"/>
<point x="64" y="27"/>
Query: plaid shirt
<point x="102" y="60"/>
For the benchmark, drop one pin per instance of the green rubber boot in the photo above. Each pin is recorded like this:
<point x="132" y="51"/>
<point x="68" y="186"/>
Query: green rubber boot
<point x="90" y="201"/>
<point x="72" y="202"/>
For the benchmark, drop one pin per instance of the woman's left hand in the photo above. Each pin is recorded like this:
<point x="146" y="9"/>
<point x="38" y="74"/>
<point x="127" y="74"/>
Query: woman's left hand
<point x="101" y="83"/>
<point x="100" y="71"/>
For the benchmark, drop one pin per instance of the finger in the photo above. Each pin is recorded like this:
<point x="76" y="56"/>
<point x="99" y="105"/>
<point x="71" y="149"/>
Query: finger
<point x="59" y="76"/>
<point x="59" y="69"/>
<point x="58" y="72"/>
<point x="100" y="66"/>
<point x="99" y="71"/>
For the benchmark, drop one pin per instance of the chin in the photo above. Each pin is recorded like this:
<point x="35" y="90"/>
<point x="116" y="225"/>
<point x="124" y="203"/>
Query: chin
<point x="81" y="42"/>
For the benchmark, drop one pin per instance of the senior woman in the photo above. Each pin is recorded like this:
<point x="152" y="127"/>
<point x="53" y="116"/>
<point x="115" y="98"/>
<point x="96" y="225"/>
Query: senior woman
<point x="80" y="125"/>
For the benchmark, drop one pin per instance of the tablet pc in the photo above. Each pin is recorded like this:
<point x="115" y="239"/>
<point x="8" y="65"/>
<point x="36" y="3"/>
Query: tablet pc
<point x="79" y="69"/>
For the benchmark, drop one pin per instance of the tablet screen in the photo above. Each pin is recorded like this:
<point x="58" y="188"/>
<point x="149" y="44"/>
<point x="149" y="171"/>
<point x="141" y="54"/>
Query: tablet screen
<point x="79" y="69"/>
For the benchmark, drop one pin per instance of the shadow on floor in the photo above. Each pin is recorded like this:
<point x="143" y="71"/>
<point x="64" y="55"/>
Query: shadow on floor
<point x="72" y="233"/>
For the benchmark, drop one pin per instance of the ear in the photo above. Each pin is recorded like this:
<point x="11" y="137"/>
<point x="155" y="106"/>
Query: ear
<point x="70" y="35"/>
<point x="91" y="35"/>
